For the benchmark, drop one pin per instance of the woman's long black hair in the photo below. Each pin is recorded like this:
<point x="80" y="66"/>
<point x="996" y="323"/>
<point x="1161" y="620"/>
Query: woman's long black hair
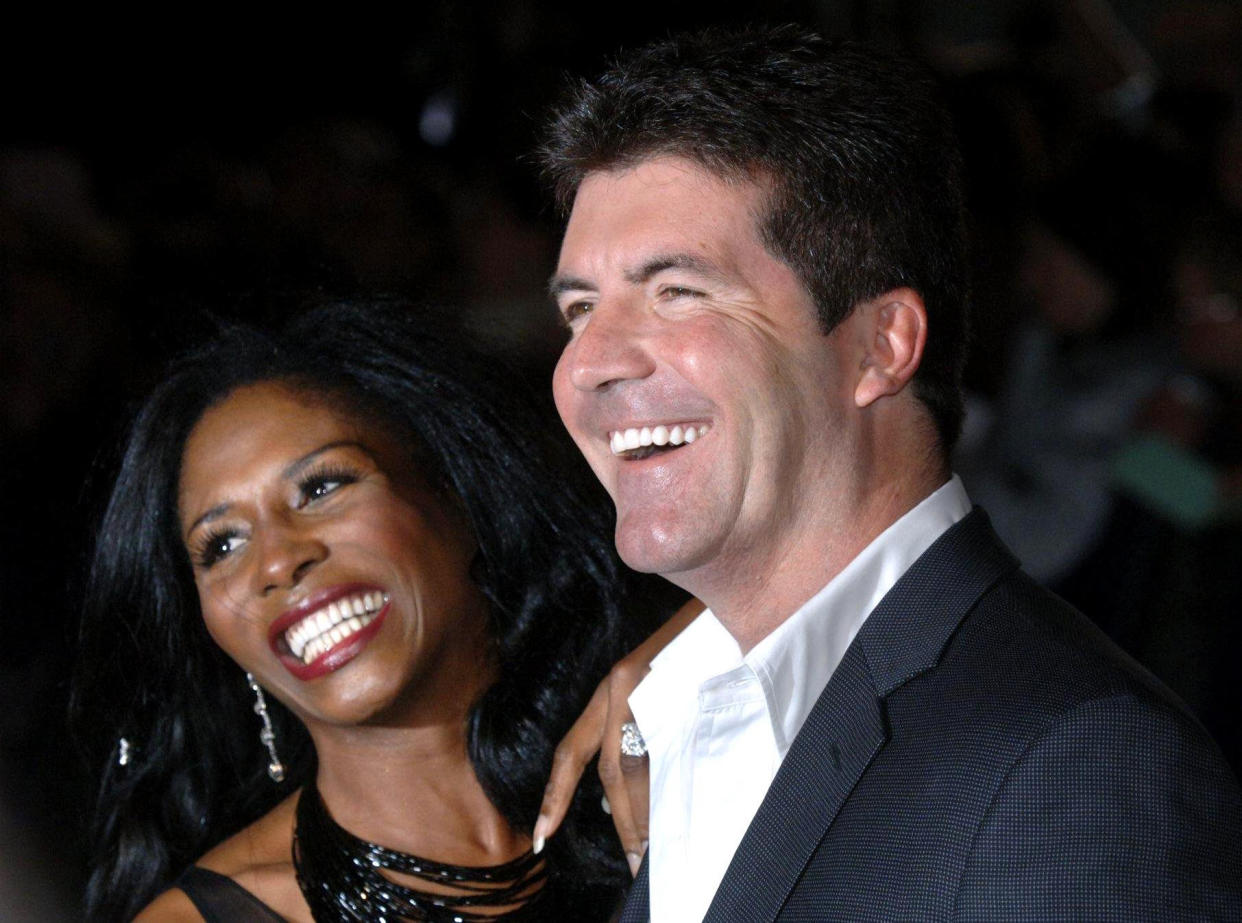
<point x="194" y="771"/>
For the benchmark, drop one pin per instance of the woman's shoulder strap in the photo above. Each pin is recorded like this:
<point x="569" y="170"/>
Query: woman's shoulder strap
<point x="222" y="900"/>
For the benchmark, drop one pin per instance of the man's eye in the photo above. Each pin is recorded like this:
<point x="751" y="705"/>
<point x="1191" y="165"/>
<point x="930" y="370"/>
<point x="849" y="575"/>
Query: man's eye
<point x="576" y="309"/>
<point x="678" y="291"/>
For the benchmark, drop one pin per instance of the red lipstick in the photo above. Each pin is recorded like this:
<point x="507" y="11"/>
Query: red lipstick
<point x="339" y="654"/>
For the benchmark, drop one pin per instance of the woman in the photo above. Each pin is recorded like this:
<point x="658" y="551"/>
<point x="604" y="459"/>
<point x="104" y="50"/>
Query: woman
<point x="356" y="517"/>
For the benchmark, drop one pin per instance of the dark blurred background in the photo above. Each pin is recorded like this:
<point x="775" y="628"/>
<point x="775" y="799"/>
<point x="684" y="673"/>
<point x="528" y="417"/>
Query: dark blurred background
<point x="157" y="174"/>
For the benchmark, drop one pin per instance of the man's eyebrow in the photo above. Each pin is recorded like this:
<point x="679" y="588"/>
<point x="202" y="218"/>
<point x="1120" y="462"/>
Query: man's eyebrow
<point x="661" y="262"/>
<point x="290" y="471"/>
<point x="560" y="284"/>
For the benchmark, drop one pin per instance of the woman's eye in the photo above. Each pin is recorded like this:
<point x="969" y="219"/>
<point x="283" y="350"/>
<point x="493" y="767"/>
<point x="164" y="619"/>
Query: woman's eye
<point x="216" y="546"/>
<point x="318" y="486"/>
<point x="321" y="488"/>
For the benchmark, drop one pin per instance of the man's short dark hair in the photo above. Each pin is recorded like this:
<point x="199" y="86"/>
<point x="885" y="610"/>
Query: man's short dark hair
<point x="857" y="152"/>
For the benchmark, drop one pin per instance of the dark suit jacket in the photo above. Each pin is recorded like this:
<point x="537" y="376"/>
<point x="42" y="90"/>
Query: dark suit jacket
<point x="984" y="753"/>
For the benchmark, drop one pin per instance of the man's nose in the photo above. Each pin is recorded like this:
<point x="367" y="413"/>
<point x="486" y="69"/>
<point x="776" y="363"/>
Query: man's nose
<point x="612" y="347"/>
<point x="287" y="553"/>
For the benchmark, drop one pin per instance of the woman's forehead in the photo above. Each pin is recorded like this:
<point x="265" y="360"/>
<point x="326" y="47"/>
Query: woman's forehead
<point x="262" y="428"/>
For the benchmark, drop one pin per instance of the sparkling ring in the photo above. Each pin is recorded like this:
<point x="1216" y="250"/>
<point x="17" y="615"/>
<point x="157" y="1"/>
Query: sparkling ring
<point x="632" y="743"/>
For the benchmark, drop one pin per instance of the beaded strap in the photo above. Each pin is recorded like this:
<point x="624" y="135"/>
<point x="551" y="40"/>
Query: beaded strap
<point x="341" y="878"/>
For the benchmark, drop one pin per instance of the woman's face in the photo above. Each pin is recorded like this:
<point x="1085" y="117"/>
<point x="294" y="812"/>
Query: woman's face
<point x="326" y="567"/>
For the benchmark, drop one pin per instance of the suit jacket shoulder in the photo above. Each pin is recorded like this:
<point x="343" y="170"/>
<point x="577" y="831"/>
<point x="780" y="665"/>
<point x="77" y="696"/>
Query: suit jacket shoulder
<point x="984" y="752"/>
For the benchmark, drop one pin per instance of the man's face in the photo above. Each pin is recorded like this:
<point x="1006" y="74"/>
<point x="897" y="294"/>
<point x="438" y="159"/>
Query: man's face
<point x="681" y="322"/>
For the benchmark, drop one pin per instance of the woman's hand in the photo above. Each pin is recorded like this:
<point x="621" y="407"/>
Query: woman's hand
<point x="599" y="731"/>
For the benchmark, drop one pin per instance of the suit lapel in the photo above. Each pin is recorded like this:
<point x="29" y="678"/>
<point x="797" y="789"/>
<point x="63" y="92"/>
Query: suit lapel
<point x="841" y="736"/>
<point x="637" y="907"/>
<point x="907" y="632"/>
<point x="904" y="636"/>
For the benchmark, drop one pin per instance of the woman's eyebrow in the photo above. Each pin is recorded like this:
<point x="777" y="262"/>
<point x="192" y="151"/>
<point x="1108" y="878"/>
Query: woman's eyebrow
<point x="214" y="513"/>
<point x="290" y="471"/>
<point x="295" y="467"/>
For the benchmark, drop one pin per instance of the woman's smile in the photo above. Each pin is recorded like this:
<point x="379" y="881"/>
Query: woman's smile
<point x="343" y="568"/>
<point x="328" y="629"/>
<point x="318" y="549"/>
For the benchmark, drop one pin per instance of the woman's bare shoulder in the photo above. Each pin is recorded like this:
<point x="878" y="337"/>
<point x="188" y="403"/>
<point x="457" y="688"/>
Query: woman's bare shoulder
<point x="173" y="906"/>
<point x="259" y="858"/>
<point x="265" y="845"/>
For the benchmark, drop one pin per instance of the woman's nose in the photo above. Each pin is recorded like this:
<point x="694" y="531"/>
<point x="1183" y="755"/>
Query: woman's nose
<point x="287" y="553"/>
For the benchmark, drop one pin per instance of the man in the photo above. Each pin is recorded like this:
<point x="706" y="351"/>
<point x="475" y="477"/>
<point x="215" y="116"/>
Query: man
<point x="880" y="717"/>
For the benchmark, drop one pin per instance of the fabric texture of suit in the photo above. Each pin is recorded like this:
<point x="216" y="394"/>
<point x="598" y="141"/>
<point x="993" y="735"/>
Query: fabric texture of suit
<point x="983" y="752"/>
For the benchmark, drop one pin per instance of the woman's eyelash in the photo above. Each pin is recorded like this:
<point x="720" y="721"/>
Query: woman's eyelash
<point x="213" y="546"/>
<point x="313" y="485"/>
<point x="322" y="480"/>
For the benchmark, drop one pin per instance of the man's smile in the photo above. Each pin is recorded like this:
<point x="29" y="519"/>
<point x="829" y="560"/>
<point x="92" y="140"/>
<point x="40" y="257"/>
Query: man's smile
<point x="640" y="442"/>
<point x="693" y="333"/>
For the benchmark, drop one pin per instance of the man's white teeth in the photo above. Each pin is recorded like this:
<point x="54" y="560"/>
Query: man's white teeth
<point x="627" y="440"/>
<point x="327" y="627"/>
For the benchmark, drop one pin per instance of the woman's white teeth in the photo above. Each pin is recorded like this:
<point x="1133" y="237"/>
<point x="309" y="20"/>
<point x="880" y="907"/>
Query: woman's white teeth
<point x="329" y="626"/>
<point x="627" y="440"/>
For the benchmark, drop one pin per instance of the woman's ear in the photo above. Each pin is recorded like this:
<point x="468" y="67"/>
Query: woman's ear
<point x="894" y="329"/>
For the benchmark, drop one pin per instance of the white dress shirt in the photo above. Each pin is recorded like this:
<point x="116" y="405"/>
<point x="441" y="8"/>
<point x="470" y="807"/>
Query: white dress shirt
<point x="718" y="724"/>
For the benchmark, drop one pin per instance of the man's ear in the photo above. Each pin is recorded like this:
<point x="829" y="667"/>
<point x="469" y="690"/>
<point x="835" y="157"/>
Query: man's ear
<point x="894" y="330"/>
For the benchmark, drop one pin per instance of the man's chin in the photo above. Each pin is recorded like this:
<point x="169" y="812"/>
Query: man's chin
<point x="660" y="549"/>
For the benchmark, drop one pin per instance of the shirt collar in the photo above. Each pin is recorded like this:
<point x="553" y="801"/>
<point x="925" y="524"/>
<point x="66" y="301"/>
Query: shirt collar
<point x="796" y="660"/>
<point x="702" y="651"/>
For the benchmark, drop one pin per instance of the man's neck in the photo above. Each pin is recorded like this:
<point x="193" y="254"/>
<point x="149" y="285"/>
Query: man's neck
<point x="752" y="595"/>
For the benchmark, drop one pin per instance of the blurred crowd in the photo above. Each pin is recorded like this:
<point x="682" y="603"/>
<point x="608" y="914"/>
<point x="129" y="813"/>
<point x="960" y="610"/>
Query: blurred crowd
<point x="1105" y="432"/>
<point x="154" y="191"/>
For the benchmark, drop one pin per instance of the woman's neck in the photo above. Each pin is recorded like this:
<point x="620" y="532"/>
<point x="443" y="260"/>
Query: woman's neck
<point x="413" y="789"/>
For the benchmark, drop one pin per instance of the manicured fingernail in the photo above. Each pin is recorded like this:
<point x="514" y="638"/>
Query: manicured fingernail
<point x="604" y="804"/>
<point x="635" y="860"/>
<point x="539" y="836"/>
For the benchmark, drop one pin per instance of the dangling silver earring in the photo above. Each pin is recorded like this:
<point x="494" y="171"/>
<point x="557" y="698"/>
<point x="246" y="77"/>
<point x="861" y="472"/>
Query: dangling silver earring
<point x="275" y="768"/>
